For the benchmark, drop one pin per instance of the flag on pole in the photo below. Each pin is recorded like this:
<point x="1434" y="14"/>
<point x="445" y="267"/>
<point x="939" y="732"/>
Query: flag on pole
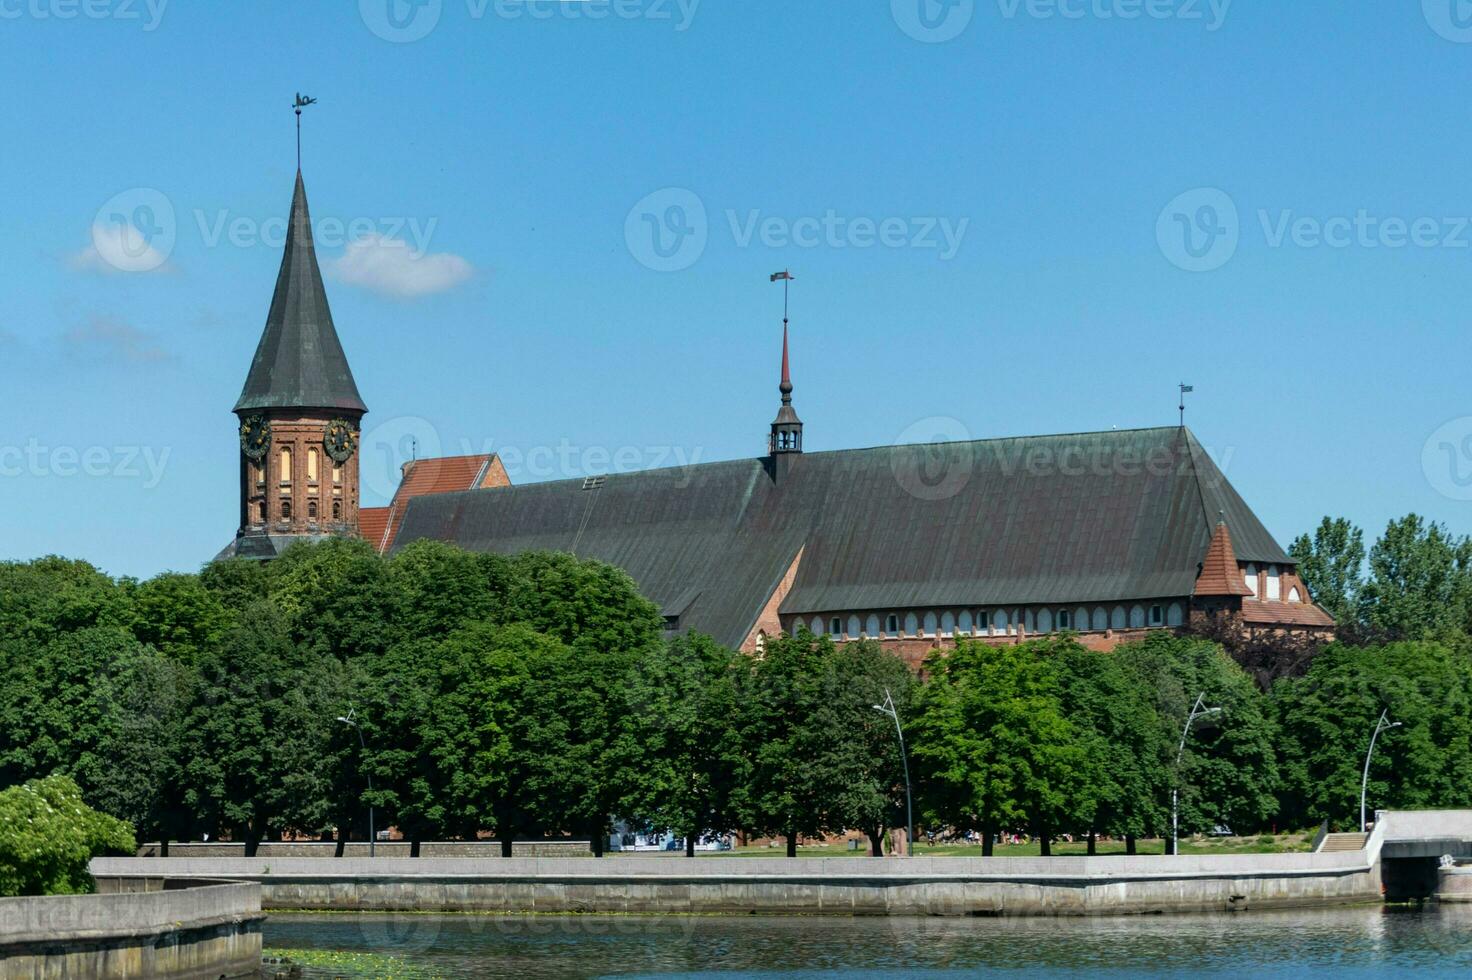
<point x="1187" y="389"/>
<point x="779" y="276"/>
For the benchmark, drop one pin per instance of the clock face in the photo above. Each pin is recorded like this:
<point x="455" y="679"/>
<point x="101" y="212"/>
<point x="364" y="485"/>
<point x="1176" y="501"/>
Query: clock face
<point x="338" y="440"/>
<point x="255" y="437"/>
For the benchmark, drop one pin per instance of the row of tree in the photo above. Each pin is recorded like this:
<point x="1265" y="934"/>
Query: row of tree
<point x="538" y="695"/>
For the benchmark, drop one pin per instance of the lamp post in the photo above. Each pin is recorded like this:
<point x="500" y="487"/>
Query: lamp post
<point x="1383" y="725"/>
<point x="1198" y="710"/>
<point x="372" y="830"/>
<point x="888" y="708"/>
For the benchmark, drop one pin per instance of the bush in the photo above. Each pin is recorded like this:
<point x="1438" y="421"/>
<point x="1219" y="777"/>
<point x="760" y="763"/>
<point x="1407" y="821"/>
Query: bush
<point x="48" y="835"/>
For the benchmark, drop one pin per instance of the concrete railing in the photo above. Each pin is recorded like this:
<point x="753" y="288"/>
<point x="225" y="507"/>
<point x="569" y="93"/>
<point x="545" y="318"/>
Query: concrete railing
<point x="398" y="848"/>
<point x="213" y="928"/>
<point x="896" y="886"/>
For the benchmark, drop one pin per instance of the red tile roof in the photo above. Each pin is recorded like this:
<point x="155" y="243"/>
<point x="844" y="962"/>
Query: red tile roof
<point x="1256" y="612"/>
<point x="372" y="522"/>
<point x="426" y="477"/>
<point x="1220" y="574"/>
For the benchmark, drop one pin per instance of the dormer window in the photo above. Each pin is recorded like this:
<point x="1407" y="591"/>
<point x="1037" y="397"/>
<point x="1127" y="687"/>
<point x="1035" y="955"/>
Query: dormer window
<point x="1252" y="579"/>
<point x="1275" y="584"/>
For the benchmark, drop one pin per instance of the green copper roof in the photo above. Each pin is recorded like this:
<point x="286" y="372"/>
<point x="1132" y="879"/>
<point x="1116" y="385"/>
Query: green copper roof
<point x="1094" y="517"/>
<point x="299" y="362"/>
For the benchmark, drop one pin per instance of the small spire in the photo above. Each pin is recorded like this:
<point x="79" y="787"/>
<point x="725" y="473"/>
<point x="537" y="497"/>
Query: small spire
<point x="786" y="434"/>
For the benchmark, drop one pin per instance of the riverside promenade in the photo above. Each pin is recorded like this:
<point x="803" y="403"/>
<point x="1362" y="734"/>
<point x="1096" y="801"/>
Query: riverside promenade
<point x="1400" y="846"/>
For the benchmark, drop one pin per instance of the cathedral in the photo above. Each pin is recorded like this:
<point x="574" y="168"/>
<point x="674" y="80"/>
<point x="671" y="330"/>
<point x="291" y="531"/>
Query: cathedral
<point x="1106" y="535"/>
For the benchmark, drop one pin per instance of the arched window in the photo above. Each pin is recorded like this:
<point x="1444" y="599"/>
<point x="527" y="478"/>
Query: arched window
<point x="1000" y="625"/>
<point x="1294" y="595"/>
<point x="835" y="627"/>
<point x="1065" y="619"/>
<point x="337" y="510"/>
<point x="286" y="467"/>
<point x="963" y="623"/>
<point x="1275" y="584"/>
<point x="1101" y="619"/>
<point x="312" y="509"/>
<point x="1081" y="619"/>
<point x="286" y="508"/>
<point x="761" y="642"/>
<point x="1117" y="619"/>
<point x="1252" y="579"/>
<point x="1137" y="617"/>
<point x="1175" y="616"/>
<point x="929" y="624"/>
<point x="1157" y="616"/>
<point x="337" y="474"/>
<point x="912" y="625"/>
<point x="871" y="628"/>
<point x="817" y="626"/>
<point x="312" y="465"/>
<point x="891" y="625"/>
<point x="1028" y="622"/>
<point x="1045" y="621"/>
<point x="262" y="512"/>
<point x="853" y="626"/>
<point x="947" y="624"/>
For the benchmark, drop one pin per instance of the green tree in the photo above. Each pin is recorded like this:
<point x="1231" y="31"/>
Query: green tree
<point x="48" y="836"/>
<point x="1420" y="582"/>
<point x="682" y="736"/>
<point x="1327" y="718"/>
<point x="872" y="785"/>
<point x="1117" y="717"/>
<point x="1331" y="563"/>
<point x="994" y="746"/>
<point x="1229" y="772"/>
<point x="178" y="615"/>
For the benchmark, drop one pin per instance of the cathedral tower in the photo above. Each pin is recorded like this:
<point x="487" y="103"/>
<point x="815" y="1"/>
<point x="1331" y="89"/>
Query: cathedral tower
<point x="300" y="413"/>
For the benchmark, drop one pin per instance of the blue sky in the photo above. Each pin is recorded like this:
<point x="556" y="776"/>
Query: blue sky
<point x="497" y="282"/>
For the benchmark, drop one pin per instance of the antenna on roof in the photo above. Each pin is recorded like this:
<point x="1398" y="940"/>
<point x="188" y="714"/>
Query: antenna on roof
<point x="301" y="102"/>
<point x="1185" y="390"/>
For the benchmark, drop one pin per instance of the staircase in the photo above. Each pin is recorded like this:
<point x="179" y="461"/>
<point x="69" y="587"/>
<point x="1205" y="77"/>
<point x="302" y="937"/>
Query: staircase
<point x="1343" y="842"/>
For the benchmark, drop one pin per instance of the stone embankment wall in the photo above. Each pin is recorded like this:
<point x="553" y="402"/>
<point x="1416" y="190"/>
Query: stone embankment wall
<point x="146" y="929"/>
<point x="359" y="849"/>
<point x="809" y="886"/>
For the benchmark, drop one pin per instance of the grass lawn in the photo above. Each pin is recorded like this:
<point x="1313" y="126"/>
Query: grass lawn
<point x="1266" y="844"/>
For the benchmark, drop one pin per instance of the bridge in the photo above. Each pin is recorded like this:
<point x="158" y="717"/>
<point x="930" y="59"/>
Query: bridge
<point x="1408" y="846"/>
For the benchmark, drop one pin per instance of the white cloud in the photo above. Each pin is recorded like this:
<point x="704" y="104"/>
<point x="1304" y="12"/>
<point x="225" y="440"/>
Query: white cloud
<point x="108" y="338"/>
<point x="120" y="247"/>
<point x="389" y="266"/>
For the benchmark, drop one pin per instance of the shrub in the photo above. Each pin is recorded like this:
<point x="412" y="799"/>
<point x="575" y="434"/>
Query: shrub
<point x="48" y="836"/>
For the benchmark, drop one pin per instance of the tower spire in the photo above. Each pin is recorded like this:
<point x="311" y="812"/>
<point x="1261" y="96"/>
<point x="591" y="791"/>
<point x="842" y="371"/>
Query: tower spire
<point x="786" y="434"/>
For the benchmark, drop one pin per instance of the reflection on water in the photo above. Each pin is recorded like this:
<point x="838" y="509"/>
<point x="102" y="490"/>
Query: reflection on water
<point x="1344" y="943"/>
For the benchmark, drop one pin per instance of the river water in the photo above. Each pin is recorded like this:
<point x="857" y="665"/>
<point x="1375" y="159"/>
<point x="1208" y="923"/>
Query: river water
<point x="1339" y="943"/>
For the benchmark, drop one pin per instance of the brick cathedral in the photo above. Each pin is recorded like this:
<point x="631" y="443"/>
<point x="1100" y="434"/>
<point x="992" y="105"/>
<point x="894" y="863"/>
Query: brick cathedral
<point x="1104" y="534"/>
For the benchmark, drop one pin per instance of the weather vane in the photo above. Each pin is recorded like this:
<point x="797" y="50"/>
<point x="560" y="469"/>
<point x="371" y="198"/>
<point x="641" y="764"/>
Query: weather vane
<point x="301" y="102"/>
<point x="1185" y="390"/>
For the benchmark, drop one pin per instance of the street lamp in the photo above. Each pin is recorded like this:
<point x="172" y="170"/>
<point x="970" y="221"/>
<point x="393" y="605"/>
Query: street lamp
<point x="1383" y="725"/>
<point x="372" y="831"/>
<point x="888" y="708"/>
<point x="1199" y="710"/>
